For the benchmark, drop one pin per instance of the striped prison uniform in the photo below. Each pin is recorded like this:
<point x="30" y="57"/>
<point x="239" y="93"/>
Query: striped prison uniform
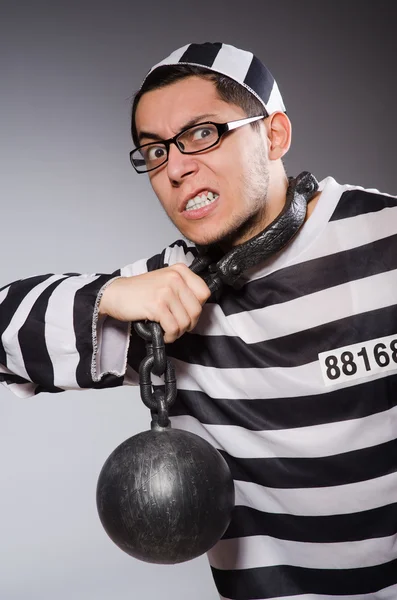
<point x="293" y="377"/>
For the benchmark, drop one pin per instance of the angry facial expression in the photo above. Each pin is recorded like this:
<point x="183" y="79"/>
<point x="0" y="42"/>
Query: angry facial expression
<point x="219" y="194"/>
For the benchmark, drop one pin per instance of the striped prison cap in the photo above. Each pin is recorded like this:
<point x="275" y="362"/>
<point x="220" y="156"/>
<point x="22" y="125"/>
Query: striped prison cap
<point x="240" y="65"/>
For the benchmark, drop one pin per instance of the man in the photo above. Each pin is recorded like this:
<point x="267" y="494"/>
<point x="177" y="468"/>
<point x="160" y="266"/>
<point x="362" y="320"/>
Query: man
<point x="293" y="375"/>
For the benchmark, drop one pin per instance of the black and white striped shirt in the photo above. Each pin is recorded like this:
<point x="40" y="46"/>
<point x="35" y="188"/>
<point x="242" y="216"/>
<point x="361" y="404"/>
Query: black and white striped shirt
<point x="293" y="377"/>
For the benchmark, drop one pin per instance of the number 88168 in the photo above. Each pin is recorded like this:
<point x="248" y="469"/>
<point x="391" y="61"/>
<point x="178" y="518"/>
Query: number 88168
<point x="359" y="360"/>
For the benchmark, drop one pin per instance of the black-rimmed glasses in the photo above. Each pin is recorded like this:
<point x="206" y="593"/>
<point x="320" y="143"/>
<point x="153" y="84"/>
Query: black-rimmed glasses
<point x="192" y="140"/>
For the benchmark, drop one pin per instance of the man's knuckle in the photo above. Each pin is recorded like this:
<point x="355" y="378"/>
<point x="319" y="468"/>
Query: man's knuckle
<point x="174" y="331"/>
<point x="186" y="323"/>
<point x="174" y="277"/>
<point x="196" y="313"/>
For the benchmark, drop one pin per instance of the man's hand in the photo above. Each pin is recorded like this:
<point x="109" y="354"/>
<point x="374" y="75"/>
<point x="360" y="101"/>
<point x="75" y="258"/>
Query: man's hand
<point x="172" y="296"/>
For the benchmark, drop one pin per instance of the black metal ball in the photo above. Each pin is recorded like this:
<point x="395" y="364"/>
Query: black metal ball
<point x="165" y="496"/>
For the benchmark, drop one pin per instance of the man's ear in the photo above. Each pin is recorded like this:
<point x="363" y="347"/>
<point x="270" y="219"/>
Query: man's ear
<point x="279" y="132"/>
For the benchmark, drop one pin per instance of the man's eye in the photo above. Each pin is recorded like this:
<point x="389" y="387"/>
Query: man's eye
<point x="155" y="153"/>
<point x="202" y="133"/>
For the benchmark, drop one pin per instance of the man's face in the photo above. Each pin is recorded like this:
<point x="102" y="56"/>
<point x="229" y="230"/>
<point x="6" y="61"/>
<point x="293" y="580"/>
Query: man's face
<point x="235" y="170"/>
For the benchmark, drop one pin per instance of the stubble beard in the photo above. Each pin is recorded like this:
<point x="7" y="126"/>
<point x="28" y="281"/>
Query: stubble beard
<point x="245" y="225"/>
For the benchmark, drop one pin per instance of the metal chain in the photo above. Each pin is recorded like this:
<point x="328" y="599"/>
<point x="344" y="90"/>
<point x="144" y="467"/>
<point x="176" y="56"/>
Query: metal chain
<point x="217" y="270"/>
<point x="156" y="362"/>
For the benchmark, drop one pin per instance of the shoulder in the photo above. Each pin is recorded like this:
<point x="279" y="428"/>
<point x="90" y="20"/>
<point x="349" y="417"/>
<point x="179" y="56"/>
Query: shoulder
<point x="355" y="200"/>
<point x="179" y="251"/>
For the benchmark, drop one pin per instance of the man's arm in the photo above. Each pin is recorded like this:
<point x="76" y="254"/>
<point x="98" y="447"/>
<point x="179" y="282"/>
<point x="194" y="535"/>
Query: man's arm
<point x="62" y="332"/>
<point x="50" y="331"/>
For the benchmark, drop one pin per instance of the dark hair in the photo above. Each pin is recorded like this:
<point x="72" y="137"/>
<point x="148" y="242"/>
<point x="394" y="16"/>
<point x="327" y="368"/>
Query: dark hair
<point x="228" y="90"/>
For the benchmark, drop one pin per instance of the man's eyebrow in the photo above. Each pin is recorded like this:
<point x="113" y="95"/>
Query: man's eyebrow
<point x="149" y="135"/>
<point x="198" y="119"/>
<point x="155" y="136"/>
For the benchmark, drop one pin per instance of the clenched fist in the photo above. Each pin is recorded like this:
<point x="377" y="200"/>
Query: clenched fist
<point x="172" y="296"/>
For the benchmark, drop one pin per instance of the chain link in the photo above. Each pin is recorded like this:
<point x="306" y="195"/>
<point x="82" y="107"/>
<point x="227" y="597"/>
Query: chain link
<point x="156" y="363"/>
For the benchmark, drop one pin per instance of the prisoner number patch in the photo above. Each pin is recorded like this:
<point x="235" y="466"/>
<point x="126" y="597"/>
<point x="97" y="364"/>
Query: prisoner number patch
<point x="359" y="360"/>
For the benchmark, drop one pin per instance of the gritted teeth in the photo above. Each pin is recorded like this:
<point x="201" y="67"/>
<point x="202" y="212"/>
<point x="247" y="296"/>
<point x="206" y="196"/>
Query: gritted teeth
<point x="201" y="200"/>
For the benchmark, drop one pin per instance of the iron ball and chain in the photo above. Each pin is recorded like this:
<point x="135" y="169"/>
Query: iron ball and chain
<point x="166" y="495"/>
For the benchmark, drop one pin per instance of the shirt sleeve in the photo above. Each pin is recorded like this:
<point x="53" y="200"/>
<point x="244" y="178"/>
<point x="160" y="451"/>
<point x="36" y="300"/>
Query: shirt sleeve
<point x="50" y="335"/>
<point x="52" y="338"/>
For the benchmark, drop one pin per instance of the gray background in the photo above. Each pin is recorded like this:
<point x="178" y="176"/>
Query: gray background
<point x="71" y="202"/>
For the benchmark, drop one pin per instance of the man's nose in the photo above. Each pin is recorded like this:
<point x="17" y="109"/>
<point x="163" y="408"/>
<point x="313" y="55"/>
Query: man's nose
<point x="180" y="166"/>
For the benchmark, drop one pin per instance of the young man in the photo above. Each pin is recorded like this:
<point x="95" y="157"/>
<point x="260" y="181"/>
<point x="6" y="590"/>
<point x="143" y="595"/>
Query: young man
<point x="293" y="375"/>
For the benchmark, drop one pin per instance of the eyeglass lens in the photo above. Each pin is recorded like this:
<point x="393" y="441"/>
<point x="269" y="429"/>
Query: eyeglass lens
<point x="195" y="139"/>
